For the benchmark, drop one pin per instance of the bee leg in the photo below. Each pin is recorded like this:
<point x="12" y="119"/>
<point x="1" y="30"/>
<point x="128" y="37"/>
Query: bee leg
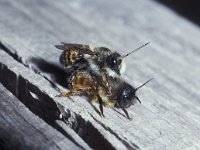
<point x="65" y="94"/>
<point x="101" y="106"/>
<point x="138" y="99"/>
<point x="127" y="115"/>
<point x="68" y="94"/>
<point x="105" y="83"/>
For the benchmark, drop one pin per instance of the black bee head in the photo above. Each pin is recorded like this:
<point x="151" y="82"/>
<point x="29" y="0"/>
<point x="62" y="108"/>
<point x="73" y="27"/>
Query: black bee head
<point x="126" y="96"/>
<point x="114" y="62"/>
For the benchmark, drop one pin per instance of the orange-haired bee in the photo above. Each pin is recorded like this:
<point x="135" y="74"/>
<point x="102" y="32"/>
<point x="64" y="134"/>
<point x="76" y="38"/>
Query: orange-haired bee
<point x="84" y="82"/>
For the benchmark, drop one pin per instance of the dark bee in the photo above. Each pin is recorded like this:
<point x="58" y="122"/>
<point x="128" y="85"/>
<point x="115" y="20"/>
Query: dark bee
<point x="123" y="94"/>
<point x="99" y="58"/>
<point x="83" y="82"/>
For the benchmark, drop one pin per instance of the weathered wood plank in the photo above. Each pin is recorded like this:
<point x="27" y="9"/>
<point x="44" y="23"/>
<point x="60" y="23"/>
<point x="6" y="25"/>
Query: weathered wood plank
<point x="168" y="117"/>
<point x="39" y="96"/>
<point x="21" y="129"/>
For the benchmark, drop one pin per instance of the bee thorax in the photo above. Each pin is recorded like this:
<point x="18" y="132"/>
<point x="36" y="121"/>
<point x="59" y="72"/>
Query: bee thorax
<point x="111" y="72"/>
<point x="94" y="67"/>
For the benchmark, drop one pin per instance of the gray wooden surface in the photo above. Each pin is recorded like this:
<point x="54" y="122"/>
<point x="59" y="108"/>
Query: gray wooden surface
<point x="35" y="133"/>
<point x="32" y="90"/>
<point x="169" y="116"/>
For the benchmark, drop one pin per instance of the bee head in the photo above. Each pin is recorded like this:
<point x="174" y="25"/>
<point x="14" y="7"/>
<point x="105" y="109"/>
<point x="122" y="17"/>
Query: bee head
<point x="114" y="61"/>
<point x="127" y="95"/>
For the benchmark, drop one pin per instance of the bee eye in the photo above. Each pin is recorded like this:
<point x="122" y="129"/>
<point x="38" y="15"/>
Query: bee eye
<point x="113" y="61"/>
<point x="125" y="96"/>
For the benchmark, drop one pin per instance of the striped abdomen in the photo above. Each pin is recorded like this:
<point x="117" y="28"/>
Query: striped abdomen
<point x="70" y="57"/>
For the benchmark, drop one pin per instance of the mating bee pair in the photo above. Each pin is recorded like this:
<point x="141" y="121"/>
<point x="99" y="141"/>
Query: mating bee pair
<point x="96" y="73"/>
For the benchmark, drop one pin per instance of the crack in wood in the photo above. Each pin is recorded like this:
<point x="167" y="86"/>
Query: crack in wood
<point x="133" y="146"/>
<point x="21" y="129"/>
<point x="31" y="32"/>
<point x="44" y="107"/>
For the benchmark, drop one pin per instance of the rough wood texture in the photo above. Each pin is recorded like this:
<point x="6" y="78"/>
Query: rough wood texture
<point x="21" y="129"/>
<point x="39" y="96"/>
<point x="168" y="117"/>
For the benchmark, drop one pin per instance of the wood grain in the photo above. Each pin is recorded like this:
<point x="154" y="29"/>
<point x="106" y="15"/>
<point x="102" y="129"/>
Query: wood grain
<point x="35" y="133"/>
<point x="38" y="95"/>
<point x="168" y="117"/>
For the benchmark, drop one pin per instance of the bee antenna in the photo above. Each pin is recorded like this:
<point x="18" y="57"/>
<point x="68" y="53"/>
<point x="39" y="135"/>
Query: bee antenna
<point x="132" y="102"/>
<point x="133" y="51"/>
<point x="138" y="99"/>
<point x="143" y="85"/>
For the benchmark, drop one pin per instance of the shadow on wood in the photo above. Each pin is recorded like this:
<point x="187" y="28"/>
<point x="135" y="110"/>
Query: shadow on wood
<point x="58" y="75"/>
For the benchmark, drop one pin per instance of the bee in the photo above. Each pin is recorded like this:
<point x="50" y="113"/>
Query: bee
<point x="99" y="58"/>
<point x="102" y="61"/>
<point x="83" y="82"/>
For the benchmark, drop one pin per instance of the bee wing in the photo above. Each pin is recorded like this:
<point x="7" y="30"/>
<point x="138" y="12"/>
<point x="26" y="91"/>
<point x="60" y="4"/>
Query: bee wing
<point x="85" y="49"/>
<point x="75" y="45"/>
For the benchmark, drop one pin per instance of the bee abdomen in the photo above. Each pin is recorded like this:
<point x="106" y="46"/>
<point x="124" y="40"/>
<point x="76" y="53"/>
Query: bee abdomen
<point x="70" y="57"/>
<point x="82" y="81"/>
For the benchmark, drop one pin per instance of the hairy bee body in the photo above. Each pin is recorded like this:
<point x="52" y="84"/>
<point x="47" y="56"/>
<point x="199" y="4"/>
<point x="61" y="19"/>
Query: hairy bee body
<point x="75" y="56"/>
<point x="96" y="74"/>
<point x="83" y="82"/>
<point x="98" y="58"/>
<point x="71" y="57"/>
<point x="102" y="61"/>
